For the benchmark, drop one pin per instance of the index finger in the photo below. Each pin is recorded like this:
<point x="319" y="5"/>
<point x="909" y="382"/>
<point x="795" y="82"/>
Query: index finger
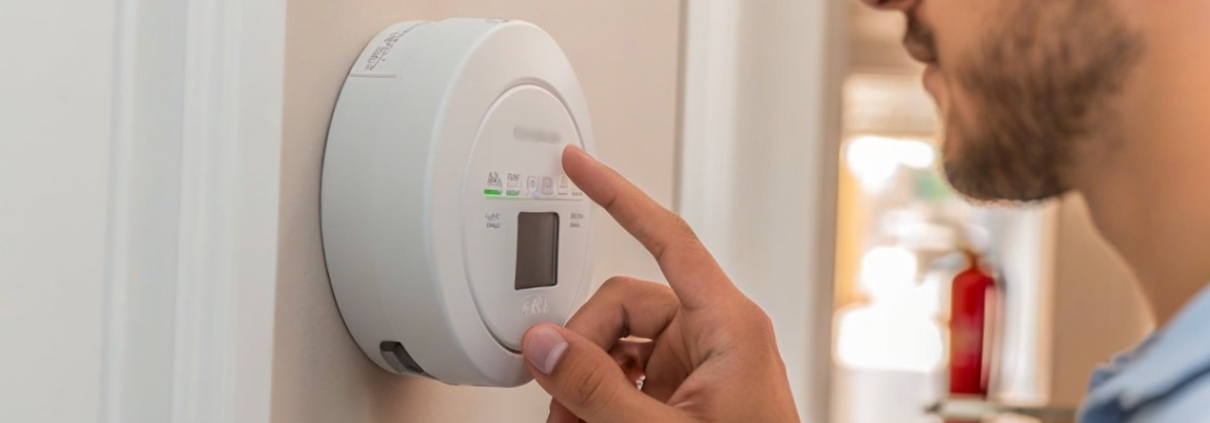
<point x="692" y="272"/>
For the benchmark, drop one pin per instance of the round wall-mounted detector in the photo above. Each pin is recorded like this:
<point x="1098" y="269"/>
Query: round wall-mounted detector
<point x="449" y="226"/>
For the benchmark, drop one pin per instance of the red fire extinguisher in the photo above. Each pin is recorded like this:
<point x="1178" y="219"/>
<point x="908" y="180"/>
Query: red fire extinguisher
<point x="973" y="308"/>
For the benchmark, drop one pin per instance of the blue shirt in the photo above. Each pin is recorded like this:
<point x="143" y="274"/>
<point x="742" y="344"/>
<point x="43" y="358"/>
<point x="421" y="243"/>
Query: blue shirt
<point x="1166" y="379"/>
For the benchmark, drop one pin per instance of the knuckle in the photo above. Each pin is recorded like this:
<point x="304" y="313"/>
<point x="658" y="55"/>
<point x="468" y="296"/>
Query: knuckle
<point x="757" y="323"/>
<point x="677" y="223"/>
<point x="680" y="229"/>
<point x="748" y="327"/>
<point x="676" y="233"/>
<point x="617" y="283"/>
<point x="763" y="324"/>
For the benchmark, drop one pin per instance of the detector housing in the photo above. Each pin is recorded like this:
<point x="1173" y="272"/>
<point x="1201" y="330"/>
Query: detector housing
<point x="449" y="226"/>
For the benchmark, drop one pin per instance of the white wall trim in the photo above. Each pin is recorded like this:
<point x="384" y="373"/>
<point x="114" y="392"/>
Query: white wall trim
<point x="192" y="239"/>
<point x="1027" y="250"/>
<point x="1048" y="250"/>
<point x="142" y="227"/>
<point x="759" y="156"/>
<point x="708" y="117"/>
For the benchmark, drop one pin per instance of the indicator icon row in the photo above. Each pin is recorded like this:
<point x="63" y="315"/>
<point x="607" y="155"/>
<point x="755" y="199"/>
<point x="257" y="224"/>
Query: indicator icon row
<point x="518" y="185"/>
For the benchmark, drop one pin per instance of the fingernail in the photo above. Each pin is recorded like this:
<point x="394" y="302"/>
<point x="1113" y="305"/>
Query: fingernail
<point x="543" y="348"/>
<point x="575" y="150"/>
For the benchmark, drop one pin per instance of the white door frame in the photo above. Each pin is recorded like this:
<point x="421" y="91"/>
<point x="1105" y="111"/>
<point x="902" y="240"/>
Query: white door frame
<point x="193" y="210"/>
<point x="759" y="150"/>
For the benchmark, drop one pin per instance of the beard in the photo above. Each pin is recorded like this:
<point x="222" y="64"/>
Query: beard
<point x="1039" y="85"/>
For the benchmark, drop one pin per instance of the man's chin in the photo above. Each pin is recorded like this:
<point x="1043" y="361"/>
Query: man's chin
<point x="987" y="186"/>
<point x="933" y="80"/>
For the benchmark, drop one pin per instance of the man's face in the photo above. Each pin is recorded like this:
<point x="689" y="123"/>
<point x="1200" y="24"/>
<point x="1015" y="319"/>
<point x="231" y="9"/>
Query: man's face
<point x="1020" y="85"/>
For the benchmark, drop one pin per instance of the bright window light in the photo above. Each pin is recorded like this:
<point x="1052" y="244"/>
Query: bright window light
<point x="875" y="160"/>
<point x="896" y="329"/>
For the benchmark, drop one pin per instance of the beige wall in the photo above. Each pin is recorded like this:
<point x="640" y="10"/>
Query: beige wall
<point x="626" y="54"/>
<point x="1098" y="311"/>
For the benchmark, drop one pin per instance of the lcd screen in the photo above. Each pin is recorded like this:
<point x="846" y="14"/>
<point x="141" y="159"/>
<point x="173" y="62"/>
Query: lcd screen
<point x="537" y="250"/>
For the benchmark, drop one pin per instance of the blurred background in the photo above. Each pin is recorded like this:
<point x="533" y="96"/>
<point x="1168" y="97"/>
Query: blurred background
<point x="1060" y="301"/>
<point x="792" y="134"/>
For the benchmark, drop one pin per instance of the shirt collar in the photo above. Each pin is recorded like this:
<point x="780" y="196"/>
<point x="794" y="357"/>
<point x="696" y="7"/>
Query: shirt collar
<point x="1166" y="360"/>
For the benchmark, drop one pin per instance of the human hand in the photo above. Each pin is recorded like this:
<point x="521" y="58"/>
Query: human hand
<point x="712" y="356"/>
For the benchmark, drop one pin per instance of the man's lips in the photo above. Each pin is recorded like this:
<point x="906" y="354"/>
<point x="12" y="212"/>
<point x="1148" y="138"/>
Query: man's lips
<point x="919" y="40"/>
<point x="920" y="52"/>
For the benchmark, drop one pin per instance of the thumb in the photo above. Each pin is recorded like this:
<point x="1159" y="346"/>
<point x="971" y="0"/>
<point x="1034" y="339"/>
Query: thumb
<point x="586" y="380"/>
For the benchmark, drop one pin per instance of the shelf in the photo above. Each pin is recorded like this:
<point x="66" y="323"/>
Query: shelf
<point x="979" y="409"/>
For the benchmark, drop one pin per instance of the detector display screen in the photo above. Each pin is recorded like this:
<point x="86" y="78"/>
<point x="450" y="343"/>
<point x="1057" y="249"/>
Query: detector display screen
<point x="537" y="250"/>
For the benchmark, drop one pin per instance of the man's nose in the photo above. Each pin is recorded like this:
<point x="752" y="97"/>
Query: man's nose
<point x="900" y="5"/>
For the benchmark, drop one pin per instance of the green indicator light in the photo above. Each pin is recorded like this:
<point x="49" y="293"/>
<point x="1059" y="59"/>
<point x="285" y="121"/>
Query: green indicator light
<point x="491" y="192"/>
<point x="513" y="192"/>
